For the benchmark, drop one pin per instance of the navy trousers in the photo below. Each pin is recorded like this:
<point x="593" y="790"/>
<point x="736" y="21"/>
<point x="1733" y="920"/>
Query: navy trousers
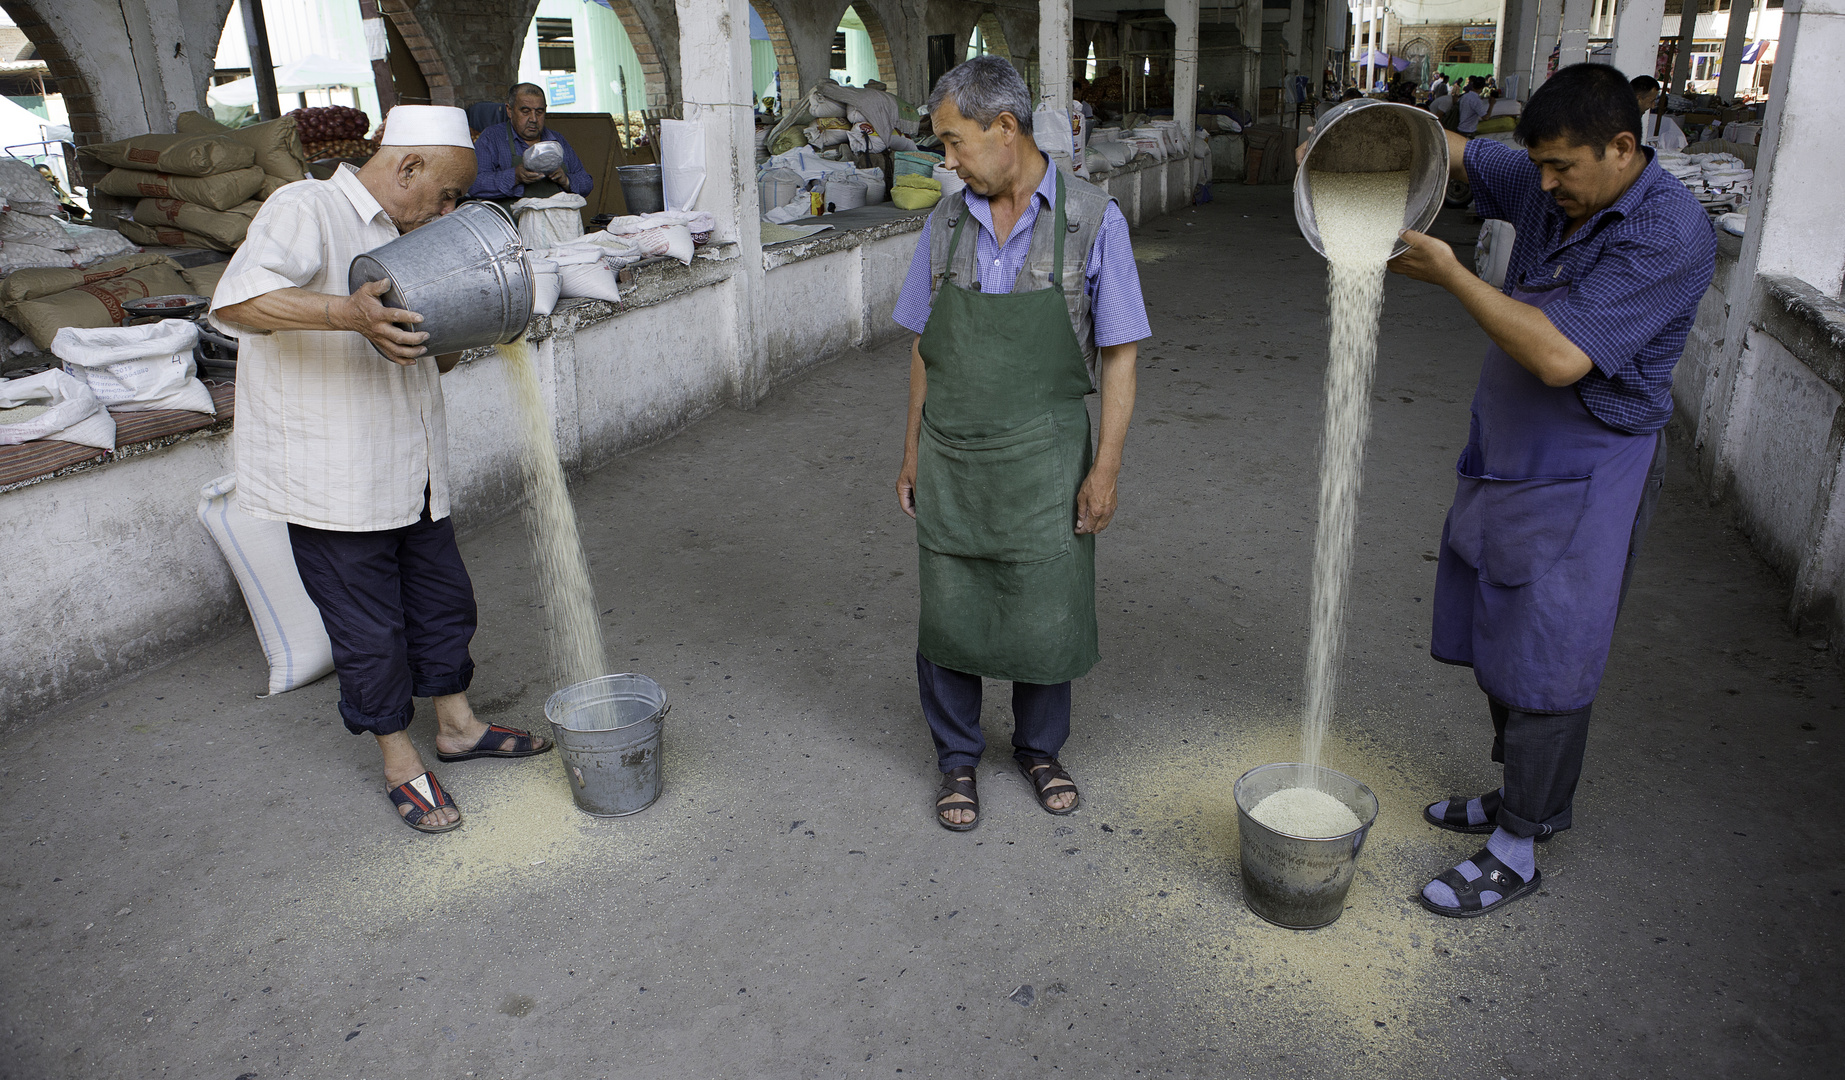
<point x="399" y="609"/>
<point x="951" y="704"/>
<point x="1542" y="752"/>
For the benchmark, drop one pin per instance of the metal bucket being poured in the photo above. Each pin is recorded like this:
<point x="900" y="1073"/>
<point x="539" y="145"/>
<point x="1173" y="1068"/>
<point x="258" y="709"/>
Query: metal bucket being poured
<point x="1366" y="136"/>
<point x="464" y="273"/>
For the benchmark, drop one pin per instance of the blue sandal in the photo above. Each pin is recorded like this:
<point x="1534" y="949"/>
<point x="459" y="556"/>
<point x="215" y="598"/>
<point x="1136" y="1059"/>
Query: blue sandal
<point x="422" y="794"/>
<point x="524" y="744"/>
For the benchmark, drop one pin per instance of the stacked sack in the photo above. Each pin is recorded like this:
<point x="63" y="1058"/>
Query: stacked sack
<point x="199" y="187"/>
<point x="43" y="301"/>
<point x="33" y="232"/>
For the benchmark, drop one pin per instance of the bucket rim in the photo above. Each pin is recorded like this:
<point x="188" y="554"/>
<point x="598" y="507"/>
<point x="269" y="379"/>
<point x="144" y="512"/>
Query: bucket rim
<point x="1344" y="109"/>
<point x="1364" y="824"/>
<point x="659" y="713"/>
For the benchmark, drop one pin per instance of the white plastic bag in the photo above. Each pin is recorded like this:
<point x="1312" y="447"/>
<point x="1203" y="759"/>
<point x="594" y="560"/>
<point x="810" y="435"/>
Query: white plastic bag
<point x="93" y="245"/>
<point x="72" y="413"/>
<point x="33" y="229"/>
<point x="581" y="274"/>
<point x="17" y="256"/>
<point x="672" y="241"/>
<point x="287" y="623"/>
<point x="876" y="190"/>
<point x="682" y="162"/>
<point x="136" y="368"/>
<point x="548" y="222"/>
<point x="545" y="286"/>
<point x="1050" y="129"/>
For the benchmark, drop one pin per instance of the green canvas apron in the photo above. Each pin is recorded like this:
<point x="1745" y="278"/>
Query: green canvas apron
<point x="1008" y="588"/>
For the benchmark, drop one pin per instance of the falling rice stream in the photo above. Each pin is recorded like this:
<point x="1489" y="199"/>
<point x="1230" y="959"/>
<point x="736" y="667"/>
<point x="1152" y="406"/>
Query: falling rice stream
<point x="1358" y="216"/>
<point x="572" y="629"/>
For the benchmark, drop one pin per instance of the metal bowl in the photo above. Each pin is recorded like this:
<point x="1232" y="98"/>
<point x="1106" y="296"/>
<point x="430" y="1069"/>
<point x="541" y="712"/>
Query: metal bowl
<point x="545" y="157"/>
<point x="170" y="306"/>
<point x="1366" y="135"/>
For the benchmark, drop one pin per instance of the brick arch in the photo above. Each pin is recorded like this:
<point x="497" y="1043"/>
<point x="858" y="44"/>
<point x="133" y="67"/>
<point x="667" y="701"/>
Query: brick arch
<point x="880" y="39"/>
<point x="994" y="34"/>
<point x="653" y="68"/>
<point x="778" y="37"/>
<point x="79" y="98"/>
<point x="423" y="50"/>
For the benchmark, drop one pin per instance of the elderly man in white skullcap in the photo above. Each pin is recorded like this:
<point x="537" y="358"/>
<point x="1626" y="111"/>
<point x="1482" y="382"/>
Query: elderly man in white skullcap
<point x="340" y="433"/>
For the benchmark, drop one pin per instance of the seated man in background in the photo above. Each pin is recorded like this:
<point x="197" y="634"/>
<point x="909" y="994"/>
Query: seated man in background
<point x="500" y="150"/>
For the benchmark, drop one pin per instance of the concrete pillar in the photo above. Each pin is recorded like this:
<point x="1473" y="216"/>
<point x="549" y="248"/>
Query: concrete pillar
<point x="1636" y="36"/>
<point x="1291" y="33"/>
<point x="1794" y="222"/>
<point x="1519" y="44"/>
<point x="1184" y="16"/>
<point x="1733" y="43"/>
<point x="1687" y="35"/>
<point x="1054" y="53"/>
<point x="1573" y="36"/>
<point x="714" y="79"/>
<point x="1549" y="30"/>
<point x="1249" y="28"/>
<point x="1366" y="44"/>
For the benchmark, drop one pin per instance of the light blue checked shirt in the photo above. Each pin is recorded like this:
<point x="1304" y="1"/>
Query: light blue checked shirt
<point x="1112" y="278"/>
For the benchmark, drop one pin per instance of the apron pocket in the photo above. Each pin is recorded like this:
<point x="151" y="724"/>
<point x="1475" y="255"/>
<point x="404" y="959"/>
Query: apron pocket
<point x="1004" y="497"/>
<point x="1514" y="531"/>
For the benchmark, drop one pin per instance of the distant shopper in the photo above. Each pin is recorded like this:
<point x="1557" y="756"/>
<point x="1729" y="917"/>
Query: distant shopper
<point x="1612" y="258"/>
<point x="501" y="151"/>
<point x="1646" y="91"/>
<point x="1473" y="106"/>
<point x="1352" y="93"/>
<point x="341" y="433"/>
<point x="1438" y="88"/>
<point x="1657" y="130"/>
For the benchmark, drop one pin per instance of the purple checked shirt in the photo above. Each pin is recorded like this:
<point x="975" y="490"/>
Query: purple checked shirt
<point x="493" y="157"/>
<point x="1635" y="271"/>
<point x="1113" y="279"/>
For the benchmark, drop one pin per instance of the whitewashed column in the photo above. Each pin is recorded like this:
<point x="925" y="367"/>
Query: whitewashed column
<point x="1636" y="36"/>
<point x="1733" y="43"/>
<point x="1687" y="36"/>
<point x="1794" y="219"/>
<point x="714" y="79"/>
<point x="1184" y="16"/>
<point x="1549" y="29"/>
<point x="1573" y="37"/>
<point x="1290" y="42"/>
<point x="1054" y="53"/>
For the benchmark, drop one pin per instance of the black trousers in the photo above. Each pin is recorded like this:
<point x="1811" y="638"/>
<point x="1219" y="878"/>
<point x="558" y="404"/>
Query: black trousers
<point x="1542" y="752"/>
<point x="399" y="609"/>
<point x="951" y="704"/>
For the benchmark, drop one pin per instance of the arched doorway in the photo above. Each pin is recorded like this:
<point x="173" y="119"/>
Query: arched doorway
<point x="67" y="97"/>
<point x="1457" y="52"/>
<point x="987" y="38"/>
<point x="861" y="49"/>
<point x="773" y="72"/>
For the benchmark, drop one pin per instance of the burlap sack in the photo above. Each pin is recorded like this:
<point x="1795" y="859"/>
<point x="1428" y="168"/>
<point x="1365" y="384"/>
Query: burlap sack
<point x="278" y="148"/>
<point x="271" y="185"/>
<point x="32" y="284"/>
<point x="178" y="155"/>
<point x="204" y="279"/>
<point x="168" y="236"/>
<point x="96" y="304"/>
<point x="219" y="192"/>
<point x="224" y="226"/>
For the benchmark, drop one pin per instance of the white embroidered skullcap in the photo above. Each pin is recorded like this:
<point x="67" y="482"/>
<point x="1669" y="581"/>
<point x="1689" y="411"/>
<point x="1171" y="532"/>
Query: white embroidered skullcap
<point x="427" y="125"/>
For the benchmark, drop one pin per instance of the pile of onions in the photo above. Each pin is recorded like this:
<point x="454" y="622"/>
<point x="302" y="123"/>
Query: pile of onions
<point x="339" y="148"/>
<point x="330" y="123"/>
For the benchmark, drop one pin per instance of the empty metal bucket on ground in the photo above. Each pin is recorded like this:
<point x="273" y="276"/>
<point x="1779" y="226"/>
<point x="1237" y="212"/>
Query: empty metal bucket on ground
<point x="1365" y="135"/>
<point x="1299" y="882"/>
<point x="464" y="273"/>
<point x="608" y="733"/>
<point x="640" y="186"/>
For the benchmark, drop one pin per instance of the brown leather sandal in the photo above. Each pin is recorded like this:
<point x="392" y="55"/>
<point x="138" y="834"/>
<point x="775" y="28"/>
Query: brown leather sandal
<point x="1048" y="778"/>
<point x="958" y="781"/>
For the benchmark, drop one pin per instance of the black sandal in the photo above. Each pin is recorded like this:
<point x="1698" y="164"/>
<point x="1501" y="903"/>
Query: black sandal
<point x="1047" y="778"/>
<point x="957" y="781"/>
<point x="1495" y="876"/>
<point x="1454" y="818"/>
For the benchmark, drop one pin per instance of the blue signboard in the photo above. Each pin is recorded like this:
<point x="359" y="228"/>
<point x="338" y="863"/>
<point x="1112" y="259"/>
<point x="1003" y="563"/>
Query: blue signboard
<point x="562" y="89"/>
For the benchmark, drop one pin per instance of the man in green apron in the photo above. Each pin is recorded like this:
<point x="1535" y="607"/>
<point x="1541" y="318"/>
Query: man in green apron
<point x="1024" y="296"/>
<point x="500" y="150"/>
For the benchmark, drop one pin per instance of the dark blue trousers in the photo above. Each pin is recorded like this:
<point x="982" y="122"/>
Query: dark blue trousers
<point x="951" y="704"/>
<point x="399" y="609"/>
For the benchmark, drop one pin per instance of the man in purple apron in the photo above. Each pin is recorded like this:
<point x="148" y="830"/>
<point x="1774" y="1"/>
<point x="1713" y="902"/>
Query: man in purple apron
<point x="1565" y="455"/>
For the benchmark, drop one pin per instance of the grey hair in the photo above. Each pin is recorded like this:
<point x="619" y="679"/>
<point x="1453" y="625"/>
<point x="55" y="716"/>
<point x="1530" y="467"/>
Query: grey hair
<point x="981" y="89"/>
<point x="524" y="89"/>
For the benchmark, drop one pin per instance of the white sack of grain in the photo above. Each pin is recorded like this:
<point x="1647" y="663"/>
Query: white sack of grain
<point x="24" y="190"/>
<point x="72" y="413"/>
<point x="137" y="368"/>
<point x="581" y="274"/>
<point x="287" y="623"/>
<point x="17" y="227"/>
<point x="548" y="222"/>
<point x="545" y="286"/>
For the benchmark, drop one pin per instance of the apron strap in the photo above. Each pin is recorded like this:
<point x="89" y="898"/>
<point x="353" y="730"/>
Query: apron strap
<point x="1061" y="227"/>
<point x="954" y="239"/>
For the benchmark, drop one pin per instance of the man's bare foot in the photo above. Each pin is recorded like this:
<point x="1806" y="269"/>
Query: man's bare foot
<point x="403" y="764"/>
<point x="1055" y="789"/>
<point x="459" y="731"/>
<point x="957" y="804"/>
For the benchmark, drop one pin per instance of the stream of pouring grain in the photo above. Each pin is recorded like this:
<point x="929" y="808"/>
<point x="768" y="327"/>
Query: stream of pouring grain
<point x="574" y="634"/>
<point x="1358" y="216"/>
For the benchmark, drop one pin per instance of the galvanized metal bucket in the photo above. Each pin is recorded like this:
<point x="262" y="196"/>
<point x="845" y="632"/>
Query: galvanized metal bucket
<point x="608" y="733"/>
<point x="464" y="273"/>
<point x="1299" y="882"/>
<point x="642" y="189"/>
<point x="1366" y="135"/>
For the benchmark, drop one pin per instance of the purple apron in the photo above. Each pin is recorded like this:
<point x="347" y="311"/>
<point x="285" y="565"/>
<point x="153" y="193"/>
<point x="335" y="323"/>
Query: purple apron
<point x="1529" y="577"/>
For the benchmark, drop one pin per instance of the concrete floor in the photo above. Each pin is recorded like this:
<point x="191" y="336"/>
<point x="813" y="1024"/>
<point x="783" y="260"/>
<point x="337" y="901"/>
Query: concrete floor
<point x="201" y="884"/>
